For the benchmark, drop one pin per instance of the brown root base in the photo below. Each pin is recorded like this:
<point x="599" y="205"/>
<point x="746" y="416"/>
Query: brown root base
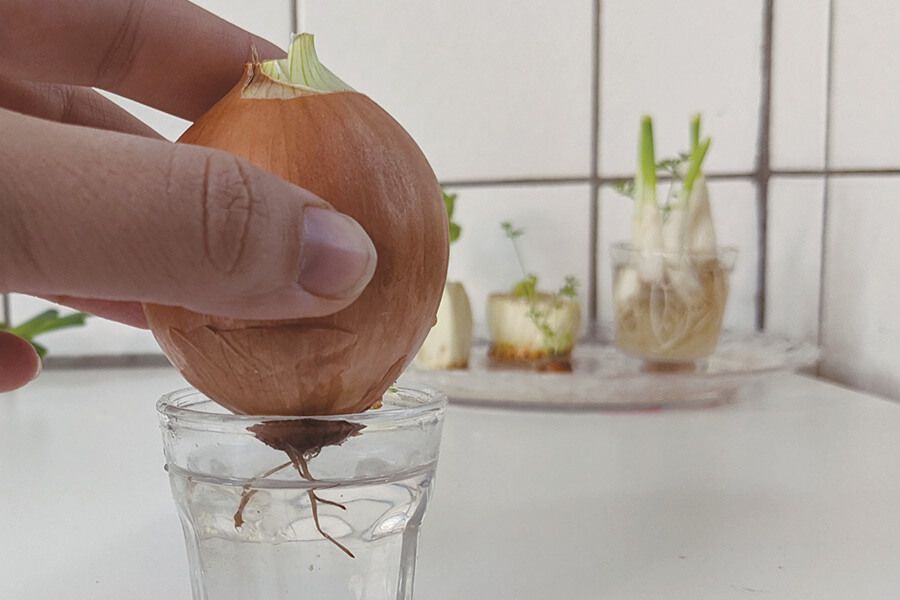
<point x="556" y="365"/>
<point x="510" y="352"/>
<point x="460" y="364"/>
<point x="506" y="356"/>
<point x="302" y="440"/>
<point x="650" y="366"/>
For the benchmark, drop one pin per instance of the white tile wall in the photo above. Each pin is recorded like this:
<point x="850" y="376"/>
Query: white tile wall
<point x="734" y="213"/>
<point x="556" y="223"/>
<point x="799" y="73"/>
<point x="492" y="89"/>
<point x="670" y="60"/>
<point x="865" y="126"/>
<point x="861" y="321"/>
<point x="794" y="256"/>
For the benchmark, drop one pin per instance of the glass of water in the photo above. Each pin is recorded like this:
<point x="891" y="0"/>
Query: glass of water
<point x="302" y="508"/>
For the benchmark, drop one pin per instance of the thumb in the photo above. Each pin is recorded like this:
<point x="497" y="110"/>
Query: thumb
<point x="98" y="214"/>
<point x="19" y="363"/>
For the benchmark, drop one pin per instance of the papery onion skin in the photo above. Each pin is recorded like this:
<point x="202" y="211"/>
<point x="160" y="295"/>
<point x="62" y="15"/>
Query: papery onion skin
<point x="346" y="149"/>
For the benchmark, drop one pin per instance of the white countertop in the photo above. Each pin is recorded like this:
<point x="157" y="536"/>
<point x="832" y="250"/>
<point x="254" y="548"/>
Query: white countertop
<point x="793" y="492"/>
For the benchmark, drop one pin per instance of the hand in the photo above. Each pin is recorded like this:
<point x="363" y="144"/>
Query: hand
<point x="99" y="213"/>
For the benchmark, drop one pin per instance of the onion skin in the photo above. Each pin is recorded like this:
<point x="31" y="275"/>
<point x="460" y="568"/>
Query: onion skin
<point x="344" y="148"/>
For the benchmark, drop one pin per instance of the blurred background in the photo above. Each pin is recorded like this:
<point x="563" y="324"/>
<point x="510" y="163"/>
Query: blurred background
<point x="529" y="112"/>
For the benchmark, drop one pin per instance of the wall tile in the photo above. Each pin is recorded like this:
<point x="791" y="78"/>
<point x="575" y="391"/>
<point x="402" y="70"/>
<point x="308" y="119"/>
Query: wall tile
<point x="671" y="60"/>
<point x="556" y="223"/>
<point x="98" y="336"/>
<point x="861" y="321"/>
<point x="488" y="89"/>
<point x="794" y="259"/>
<point x="865" y="127"/>
<point x="734" y="213"/>
<point x="799" y="73"/>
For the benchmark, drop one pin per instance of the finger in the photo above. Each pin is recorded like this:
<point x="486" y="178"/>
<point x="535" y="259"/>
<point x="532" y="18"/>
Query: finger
<point x="128" y="313"/>
<point x="97" y="214"/>
<point x="69" y="104"/>
<point x="19" y="362"/>
<point x="170" y="54"/>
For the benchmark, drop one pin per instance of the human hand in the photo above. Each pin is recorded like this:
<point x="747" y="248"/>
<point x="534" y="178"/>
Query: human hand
<point x="99" y="213"/>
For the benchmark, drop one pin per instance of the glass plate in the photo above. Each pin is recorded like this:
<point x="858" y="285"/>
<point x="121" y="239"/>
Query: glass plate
<point x="603" y="378"/>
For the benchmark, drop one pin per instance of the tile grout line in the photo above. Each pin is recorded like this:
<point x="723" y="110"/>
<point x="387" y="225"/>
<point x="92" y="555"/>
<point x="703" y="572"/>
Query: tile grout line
<point x="600" y="180"/>
<point x="827" y="172"/>
<point x="721" y="176"/>
<point x="594" y="196"/>
<point x="826" y="196"/>
<point x="763" y="172"/>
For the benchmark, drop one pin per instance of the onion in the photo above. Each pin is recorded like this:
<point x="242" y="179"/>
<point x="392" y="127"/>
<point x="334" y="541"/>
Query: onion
<point x="299" y="121"/>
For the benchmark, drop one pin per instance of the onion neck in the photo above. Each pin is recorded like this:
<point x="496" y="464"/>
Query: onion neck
<point x="302" y="68"/>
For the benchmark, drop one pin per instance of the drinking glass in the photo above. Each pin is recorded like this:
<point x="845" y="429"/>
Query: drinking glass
<point x="302" y="508"/>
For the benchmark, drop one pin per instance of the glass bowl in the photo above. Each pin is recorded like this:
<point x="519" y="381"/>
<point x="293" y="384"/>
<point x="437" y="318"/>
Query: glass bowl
<point x="668" y="306"/>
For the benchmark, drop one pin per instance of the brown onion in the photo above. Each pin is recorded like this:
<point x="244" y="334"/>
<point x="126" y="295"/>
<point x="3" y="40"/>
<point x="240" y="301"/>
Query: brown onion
<point x="343" y="147"/>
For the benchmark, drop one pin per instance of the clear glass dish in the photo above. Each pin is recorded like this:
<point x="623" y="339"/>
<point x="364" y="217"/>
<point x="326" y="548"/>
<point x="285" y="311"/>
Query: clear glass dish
<point x="603" y="378"/>
<point x="280" y="508"/>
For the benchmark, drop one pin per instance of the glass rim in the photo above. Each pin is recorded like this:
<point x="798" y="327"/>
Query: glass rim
<point x="178" y="405"/>
<point x="722" y="253"/>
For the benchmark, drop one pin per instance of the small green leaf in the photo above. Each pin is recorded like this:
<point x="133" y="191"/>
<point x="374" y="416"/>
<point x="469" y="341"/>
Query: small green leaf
<point x="449" y="203"/>
<point x="625" y="187"/>
<point x="511" y="232"/>
<point x="450" y="206"/>
<point x="570" y="287"/>
<point x="526" y="288"/>
<point x="670" y="165"/>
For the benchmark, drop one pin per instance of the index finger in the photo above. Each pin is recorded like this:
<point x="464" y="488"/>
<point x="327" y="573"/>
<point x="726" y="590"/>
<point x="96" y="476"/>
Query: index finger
<point x="169" y="54"/>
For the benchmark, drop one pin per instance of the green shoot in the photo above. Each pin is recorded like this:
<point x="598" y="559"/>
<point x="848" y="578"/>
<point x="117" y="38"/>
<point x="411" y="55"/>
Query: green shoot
<point x="695" y="132"/>
<point x="43" y="323"/>
<point x="527" y="288"/>
<point x="697" y="156"/>
<point x="645" y="183"/>
<point x="302" y="67"/>
<point x="514" y="234"/>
